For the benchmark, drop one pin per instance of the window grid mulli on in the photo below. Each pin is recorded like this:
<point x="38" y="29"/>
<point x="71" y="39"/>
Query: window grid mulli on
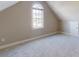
<point x="37" y="17"/>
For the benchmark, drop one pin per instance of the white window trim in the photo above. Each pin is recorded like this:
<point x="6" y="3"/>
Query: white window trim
<point x="42" y="18"/>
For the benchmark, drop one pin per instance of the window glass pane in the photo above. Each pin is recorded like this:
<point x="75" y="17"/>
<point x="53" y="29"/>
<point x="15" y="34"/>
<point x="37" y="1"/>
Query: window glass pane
<point x="34" y="15"/>
<point x="33" y="11"/>
<point x="37" y="16"/>
<point x="40" y="16"/>
<point x="37" y="5"/>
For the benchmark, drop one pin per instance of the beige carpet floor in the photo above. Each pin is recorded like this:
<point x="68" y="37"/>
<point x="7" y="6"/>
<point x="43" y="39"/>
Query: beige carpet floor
<point x="52" y="46"/>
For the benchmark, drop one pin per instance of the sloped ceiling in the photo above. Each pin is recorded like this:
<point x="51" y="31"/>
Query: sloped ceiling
<point x="6" y="4"/>
<point x="66" y="10"/>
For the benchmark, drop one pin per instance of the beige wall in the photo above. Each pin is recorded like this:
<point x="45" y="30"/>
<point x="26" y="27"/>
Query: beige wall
<point x="15" y="23"/>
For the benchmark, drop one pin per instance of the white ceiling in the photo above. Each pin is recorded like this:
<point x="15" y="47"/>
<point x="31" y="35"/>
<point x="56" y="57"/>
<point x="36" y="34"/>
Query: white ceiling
<point x="6" y="4"/>
<point x="66" y="10"/>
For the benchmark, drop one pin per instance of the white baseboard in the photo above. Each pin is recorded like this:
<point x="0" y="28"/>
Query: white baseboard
<point x="70" y="34"/>
<point x="23" y="41"/>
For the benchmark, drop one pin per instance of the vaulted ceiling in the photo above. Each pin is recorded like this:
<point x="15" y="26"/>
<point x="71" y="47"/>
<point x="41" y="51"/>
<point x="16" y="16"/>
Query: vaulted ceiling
<point x="66" y="10"/>
<point x="6" y="4"/>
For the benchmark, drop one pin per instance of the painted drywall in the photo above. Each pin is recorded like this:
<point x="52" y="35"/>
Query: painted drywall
<point x="70" y="27"/>
<point x="6" y="4"/>
<point x="67" y="11"/>
<point x="15" y="23"/>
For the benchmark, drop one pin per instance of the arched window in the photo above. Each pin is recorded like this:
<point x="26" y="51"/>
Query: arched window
<point x="37" y="16"/>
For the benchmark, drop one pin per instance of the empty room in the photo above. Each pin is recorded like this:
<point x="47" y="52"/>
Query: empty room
<point x="39" y="29"/>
